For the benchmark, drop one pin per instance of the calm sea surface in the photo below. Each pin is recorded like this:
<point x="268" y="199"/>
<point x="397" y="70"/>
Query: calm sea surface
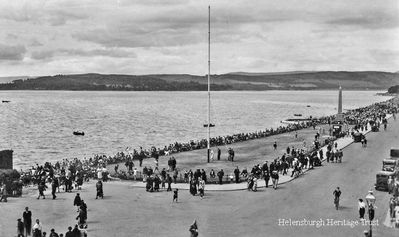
<point x="38" y="125"/>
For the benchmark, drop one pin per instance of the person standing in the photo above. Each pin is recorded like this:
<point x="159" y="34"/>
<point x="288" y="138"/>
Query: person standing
<point x="266" y="176"/>
<point x="3" y="193"/>
<point x="201" y="187"/>
<point x="99" y="187"/>
<point x="53" y="188"/>
<point x="237" y="175"/>
<point x="275" y="177"/>
<point x="275" y="146"/>
<point x="362" y="208"/>
<point x="219" y="153"/>
<point x="76" y="231"/>
<point x="211" y="154"/>
<point x="27" y="216"/>
<point x="53" y="233"/>
<point x="20" y="228"/>
<point x="69" y="233"/>
<point x="194" y="229"/>
<point x="220" y="175"/>
<point x="175" y="174"/>
<point x="37" y="229"/>
<point x="175" y="195"/>
<point x="77" y="201"/>
<point x="169" y="180"/>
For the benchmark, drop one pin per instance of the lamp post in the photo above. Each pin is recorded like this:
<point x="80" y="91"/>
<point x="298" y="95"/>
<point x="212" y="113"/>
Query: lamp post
<point x="370" y="198"/>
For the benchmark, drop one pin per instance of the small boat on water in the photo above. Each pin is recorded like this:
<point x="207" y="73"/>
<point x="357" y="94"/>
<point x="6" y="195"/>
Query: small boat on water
<point x="307" y="105"/>
<point x="298" y="115"/>
<point x="5" y="101"/>
<point x="78" y="133"/>
<point x="296" y="120"/>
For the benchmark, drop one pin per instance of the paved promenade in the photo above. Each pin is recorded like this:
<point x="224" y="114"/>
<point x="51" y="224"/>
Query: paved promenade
<point x="130" y="211"/>
<point x="341" y="144"/>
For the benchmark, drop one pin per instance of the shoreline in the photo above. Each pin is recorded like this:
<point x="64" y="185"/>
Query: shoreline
<point x="135" y="207"/>
<point x="268" y="132"/>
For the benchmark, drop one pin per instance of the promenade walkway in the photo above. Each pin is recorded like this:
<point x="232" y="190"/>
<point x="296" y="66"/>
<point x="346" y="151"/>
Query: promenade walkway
<point x="341" y="143"/>
<point x="127" y="210"/>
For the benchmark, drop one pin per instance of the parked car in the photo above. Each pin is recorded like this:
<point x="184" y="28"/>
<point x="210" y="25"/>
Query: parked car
<point x="390" y="164"/>
<point x="382" y="179"/>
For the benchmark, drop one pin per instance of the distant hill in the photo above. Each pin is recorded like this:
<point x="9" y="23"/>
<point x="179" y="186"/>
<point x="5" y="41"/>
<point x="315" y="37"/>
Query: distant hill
<point x="372" y="80"/>
<point x="10" y="79"/>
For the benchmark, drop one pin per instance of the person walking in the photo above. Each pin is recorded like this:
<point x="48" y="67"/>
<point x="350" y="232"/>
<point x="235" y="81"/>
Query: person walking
<point x="275" y="178"/>
<point x="337" y="194"/>
<point x="362" y="208"/>
<point x="42" y="187"/>
<point x="27" y="217"/>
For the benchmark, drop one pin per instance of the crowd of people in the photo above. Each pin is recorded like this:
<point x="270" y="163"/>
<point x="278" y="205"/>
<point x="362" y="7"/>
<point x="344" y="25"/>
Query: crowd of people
<point x="72" y="173"/>
<point x="295" y="159"/>
<point x="26" y="227"/>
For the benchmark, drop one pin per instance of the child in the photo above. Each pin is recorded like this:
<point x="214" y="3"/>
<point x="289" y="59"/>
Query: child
<point x="175" y="194"/>
<point x="20" y="228"/>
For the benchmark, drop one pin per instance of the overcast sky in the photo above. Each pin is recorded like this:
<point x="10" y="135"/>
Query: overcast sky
<point x="47" y="37"/>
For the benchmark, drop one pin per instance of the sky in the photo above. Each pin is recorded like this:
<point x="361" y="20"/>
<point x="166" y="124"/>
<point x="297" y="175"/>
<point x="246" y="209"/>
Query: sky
<point x="49" y="37"/>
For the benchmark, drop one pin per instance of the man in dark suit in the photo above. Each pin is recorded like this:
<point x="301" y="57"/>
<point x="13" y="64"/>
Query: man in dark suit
<point x="219" y="153"/>
<point x="237" y="175"/>
<point x="220" y="175"/>
<point x="27" y="216"/>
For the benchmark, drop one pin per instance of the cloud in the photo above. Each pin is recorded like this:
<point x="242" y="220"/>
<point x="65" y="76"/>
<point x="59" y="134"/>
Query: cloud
<point x="12" y="52"/>
<point x="385" y="56"/>
<point x="42" y="12"/>
<point x="107" y="52"/>
<point x="369" y="20"/>
<point x="34" y="43"/>
<point x="40" y="55"/>
<point x="169" y="36"/>
<point x="11" y="37"/>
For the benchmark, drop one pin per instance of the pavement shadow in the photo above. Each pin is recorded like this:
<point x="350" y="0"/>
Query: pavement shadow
<point x="344" y="208"/>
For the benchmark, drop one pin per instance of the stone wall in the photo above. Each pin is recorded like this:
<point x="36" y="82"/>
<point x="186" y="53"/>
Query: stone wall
<point x="6" y="159"/>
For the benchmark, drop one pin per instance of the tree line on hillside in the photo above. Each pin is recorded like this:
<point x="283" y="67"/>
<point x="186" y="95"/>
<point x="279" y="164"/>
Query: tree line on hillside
<point x="393" y="89"/>
<point x="104" y="82"/>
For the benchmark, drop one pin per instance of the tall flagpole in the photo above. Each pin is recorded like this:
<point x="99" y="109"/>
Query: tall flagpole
<point x="209" y="81"/>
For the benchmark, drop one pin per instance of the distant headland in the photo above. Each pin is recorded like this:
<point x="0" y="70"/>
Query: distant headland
<point x="318" y="80"/>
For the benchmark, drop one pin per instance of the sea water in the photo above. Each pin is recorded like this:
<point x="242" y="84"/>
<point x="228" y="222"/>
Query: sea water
<point x="39" y="125"/>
